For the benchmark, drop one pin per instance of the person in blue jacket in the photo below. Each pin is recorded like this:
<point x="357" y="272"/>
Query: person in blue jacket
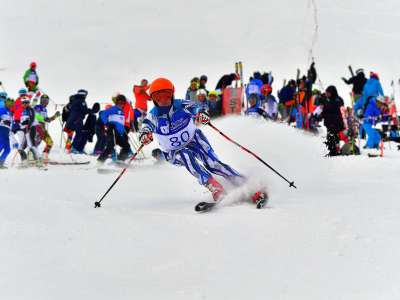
<point x="3" y="98"/>
<point x="255" y="109"/>
<point x="254" y="87"/>
<point x="371" y="115"/>
<point x="5" y="126"/>
<point x="114" y="120"/>
<point x="372" y="88"/>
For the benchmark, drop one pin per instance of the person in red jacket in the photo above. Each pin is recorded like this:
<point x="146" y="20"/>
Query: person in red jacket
<point x="17" y="109"/>
<point x="142" y="97"/>
<point x="129" y="115"/>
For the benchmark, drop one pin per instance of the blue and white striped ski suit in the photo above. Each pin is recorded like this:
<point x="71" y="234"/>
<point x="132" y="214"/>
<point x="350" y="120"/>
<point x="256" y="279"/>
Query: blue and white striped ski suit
<point x="185" y="145"/>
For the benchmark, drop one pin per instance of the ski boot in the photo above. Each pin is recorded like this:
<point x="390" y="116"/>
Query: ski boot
<point x="216" y="189"/>
<point x="260" y="199"/>
<point x="68" y="146"/>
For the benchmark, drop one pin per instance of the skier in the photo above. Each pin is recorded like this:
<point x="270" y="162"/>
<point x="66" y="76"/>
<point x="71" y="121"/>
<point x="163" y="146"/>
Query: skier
<point x="372" y="88"/>
<point x="254" y="88"/>
<point x="114" y="119"/>
<point x="88" y="130"/>
<point x="255" y="110"/>
<point x="31" y="78"/>
<point x="215" y="104"/>
<point x="286" y="96"/>
<point x="77" y="110"/>
<point x="101" y="135"/>
<point x="226" y="80"/>
<point x="5" y="126"/>
<point x="370" y="116"/>
<point x="203" y="82"/>
<point x="192" y="90"/>
<point x="333" y="121"/>
<point x="26" y="136"/>
<point x="358" y="81"/>
<point x="43" y="118"/>
<point x="182" y="144"/>
<point x="3" y="98"/>
<point x="201" y="103"/>
<point x="269" y="102"/>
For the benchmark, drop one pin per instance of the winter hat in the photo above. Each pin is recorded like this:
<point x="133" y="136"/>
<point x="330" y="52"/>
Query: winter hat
<point x="96" y="108"/>
<point x="120" y="98"/>
<point x="333" y="91"/>
<point x="381" y="99"/>
<point x="201" y="92"/>
<point x="33" y="65"/>
<point x="257" y="75"/>
<point x="3" y="95"/>
<point x="204" y="78"/>
<point x="213" y="93"/>
<point x="374" y="75"/>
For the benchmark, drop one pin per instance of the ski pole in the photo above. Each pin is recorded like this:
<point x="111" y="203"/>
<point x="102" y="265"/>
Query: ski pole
<point x="136" y="146"/>
<point x="98" y="203"/>
<point x="291" y="183"/>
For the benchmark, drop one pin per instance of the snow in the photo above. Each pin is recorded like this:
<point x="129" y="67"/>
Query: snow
<point x="335" y="237"/>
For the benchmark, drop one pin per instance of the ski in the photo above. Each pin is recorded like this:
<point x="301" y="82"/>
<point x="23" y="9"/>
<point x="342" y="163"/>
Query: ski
<point x="72" y="163"/>
<point x="107" y="171"/>
<point x="204" y="206"/>
<point x="259" y="198"/>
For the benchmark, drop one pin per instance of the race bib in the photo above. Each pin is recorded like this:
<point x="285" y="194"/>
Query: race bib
<point x="174" y="140"/>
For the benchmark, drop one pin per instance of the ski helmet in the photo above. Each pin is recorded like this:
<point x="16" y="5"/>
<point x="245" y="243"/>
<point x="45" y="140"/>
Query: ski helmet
<point x="25" y="100"/>
<point x="161" y="84"/>
<point x="44" y="99"/>
<point x="82" y="92"/>
<point x="33" y="65"/>
<point x="9" y="102"/>
<point x="3" y="95"/>
<point x="22" y="91"/>
<point x="266" y="89"/>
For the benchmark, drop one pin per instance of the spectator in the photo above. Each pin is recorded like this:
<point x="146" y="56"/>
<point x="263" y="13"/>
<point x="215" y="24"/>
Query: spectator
<point x="31" y="78"/>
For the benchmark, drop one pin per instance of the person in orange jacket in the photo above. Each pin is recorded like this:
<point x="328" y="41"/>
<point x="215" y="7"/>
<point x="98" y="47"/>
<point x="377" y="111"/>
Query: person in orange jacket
<point x="142" y="97"/>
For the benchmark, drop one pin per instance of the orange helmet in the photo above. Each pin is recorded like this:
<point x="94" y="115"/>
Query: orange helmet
<point x="161" y="84"/>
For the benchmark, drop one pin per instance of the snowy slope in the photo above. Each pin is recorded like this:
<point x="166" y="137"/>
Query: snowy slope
<point x="335" y="237"/>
